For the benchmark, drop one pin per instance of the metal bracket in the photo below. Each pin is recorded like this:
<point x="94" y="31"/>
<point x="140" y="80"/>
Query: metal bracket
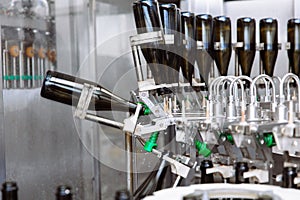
<point x="226" y="171"/>
<point x="261" y="175"/>
<point x="84" y="101"/>
<point x="156" y="109"/>
<point x="131" y="122"/>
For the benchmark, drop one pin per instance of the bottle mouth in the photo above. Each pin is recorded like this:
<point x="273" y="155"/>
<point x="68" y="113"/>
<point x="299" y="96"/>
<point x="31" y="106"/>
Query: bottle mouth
<point x="168" y="6"/>
<point x="187" y="14"/>
<point x="204" y="16"/>
<point x="268" y="20"/>
<point x="246" y="19"/>
<point x="294" y="20"/>
<point x="9" y="186"/>
<point x="222" y="18"/>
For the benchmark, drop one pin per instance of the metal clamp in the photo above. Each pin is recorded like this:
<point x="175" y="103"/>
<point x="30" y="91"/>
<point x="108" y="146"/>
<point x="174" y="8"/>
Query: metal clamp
<point x="261" y="175"/>
<point x="84" y="101"/>
<point x="155" y="109"/>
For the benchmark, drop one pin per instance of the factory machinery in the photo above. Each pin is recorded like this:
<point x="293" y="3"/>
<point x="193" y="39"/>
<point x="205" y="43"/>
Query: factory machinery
<point x="204" y="125"/>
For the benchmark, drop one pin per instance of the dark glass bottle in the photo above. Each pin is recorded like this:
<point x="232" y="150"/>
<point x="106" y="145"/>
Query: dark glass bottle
<point x="63" y="193"/>
<point x="146" y="14"/>
<point x="188" y="46"/>
<point x="240" y="168"/>
<point x="9" y="191"/>
<point x="269" y="36"/>
<point x="67" y="89"/>
<point x="169" y="17"/>
<point x="288" y="176"/>
<point x="204" y="30"/>
<point x="293" y="37"/>
<point x="122" y="195"/>
<point x="222" y="36"/>
<point x="246" y="34"/>
<point x="206" y="178"/>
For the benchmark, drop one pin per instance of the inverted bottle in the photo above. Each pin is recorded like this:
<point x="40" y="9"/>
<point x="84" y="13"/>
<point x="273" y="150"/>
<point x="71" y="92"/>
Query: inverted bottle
<point x="246" y="35"/>
<point x="189" y="45"/>
<point x="222" y="37"/>
<point x="204" y="30"/>
<point x="169" y="17"/>
<point x="147" y="18"/>
<point x="293" y="35"/>
<point x="67" y="89"/>
<point x="269" y="36"/>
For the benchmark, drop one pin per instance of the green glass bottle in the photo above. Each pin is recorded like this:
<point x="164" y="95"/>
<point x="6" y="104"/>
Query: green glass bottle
<point x="293" y="37"/>
<point x="9" y="191"/>
<point x="269" y="36"/>
<point x="222" y="36"/>
<point x="67" y="89"/>
<point x="246" y="34"/>
<point x="204" y="31"/>
<point x="169" y="17"/>
<point x="146" y="14"/>
<point x="188" y="46"/>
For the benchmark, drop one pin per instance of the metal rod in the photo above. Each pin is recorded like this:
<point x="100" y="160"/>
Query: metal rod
<point x="28" y="73"/>
<point x="15" y="72"/>
<point x="137" y="63"/>
<point x="236" y="62"/>
<point x="21" y="66"/>
<point x="129" y="162"/>
<point x="4" y="55"/>
<point x="104" y="121"/>
<point x="33" y="71"/>
<point x="38" y="71"/>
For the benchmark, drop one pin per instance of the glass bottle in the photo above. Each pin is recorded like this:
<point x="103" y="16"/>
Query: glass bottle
<point x="169" y="17"/>
<point x="206" y="178"/>
<point x="188" y="46"/>
<point x="146" y="14"/>
<point x="246" y="34"/>
<point x="241" y="167"/>
<point x="9" y="191"/>
<point x="288" y="176"/>
<point x="204" y="30"/>
<point x="122" y="195"/>
<point x="67" y="89"/>
<point x="63" y="193"/>
<point x="222" y="37"/>
<point x="269" y="36"/>
<point x="293" y="37"/>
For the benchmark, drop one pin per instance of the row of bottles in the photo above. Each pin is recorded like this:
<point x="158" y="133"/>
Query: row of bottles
<point x="288" y="174"/>
<point x="10" y="192"/>
<point x="38" y="9"/>
<point x="63" y="192"/>
<point x="203" y="39"/>
<point x="26" y="55"/>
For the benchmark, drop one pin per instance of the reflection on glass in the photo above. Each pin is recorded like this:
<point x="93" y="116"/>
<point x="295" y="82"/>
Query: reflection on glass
<point x="246" y="34"/>
<point x="147" y="19"/>
<point x="222" y="39"/>
<point x="204" y="30"/>
<point x="269" y="36"/>
<point x="294" y="40"/>
<point x="189" y="45"/>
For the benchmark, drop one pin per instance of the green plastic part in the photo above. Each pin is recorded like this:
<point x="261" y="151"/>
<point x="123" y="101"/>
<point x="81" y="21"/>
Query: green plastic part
<point x="269" y="139"/>
<point x="202" y="148"/>
<point x="229" y="138"/>
<point x="147" y="110"/>
<point x="151" y="143"/>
